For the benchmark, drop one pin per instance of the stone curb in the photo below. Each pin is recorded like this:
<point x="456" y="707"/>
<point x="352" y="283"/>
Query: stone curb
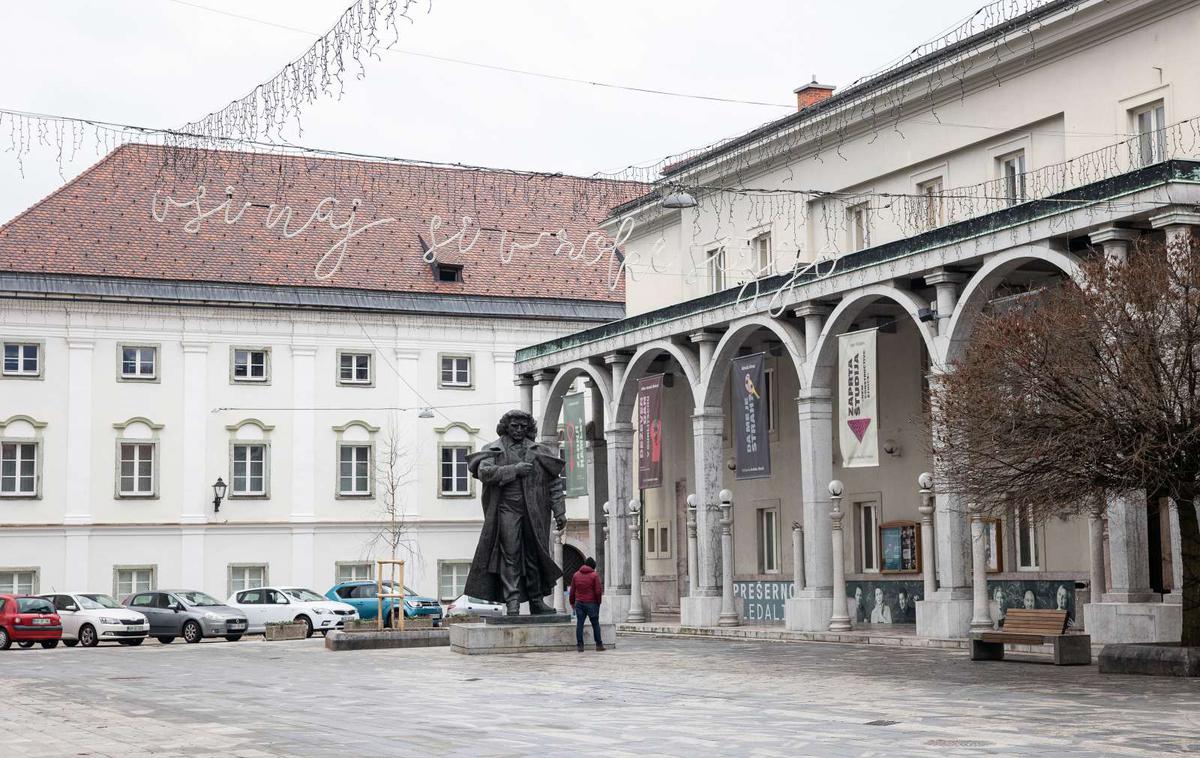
<point x="387" y="639"/>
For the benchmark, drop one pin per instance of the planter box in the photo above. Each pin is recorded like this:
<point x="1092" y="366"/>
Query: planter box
<point x="286" y="632"/>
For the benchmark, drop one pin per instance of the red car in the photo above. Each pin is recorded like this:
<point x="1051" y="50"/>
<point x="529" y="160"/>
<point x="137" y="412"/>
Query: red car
<point x="27" y="620"/>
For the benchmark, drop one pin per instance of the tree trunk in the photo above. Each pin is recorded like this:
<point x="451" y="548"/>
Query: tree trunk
<point x="1189" y="539"/>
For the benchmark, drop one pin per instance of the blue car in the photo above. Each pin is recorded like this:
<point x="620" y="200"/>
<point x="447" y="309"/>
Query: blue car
<point x="363" y="595"/>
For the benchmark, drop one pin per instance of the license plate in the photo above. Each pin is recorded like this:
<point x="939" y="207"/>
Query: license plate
<point x="235" y="624"/>
<point x="41" y="622"/>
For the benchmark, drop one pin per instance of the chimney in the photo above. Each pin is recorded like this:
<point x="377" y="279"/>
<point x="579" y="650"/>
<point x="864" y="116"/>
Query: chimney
<point x="812" y="93"/>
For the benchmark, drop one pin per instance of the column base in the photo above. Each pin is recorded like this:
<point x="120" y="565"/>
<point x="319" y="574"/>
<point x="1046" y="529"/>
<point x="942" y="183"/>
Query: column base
<point x="808" y="614"/>
<point x="1135" y="596"/>
<point x="615" y="606"/>
<point x="700" y="611"/>
<point x="944" y="616"/>
<point x="1174" y="597"/>
<point x="1111" y="623"/>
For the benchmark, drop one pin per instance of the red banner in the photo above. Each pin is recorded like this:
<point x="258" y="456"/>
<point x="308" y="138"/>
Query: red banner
<point x="649" y="416"/>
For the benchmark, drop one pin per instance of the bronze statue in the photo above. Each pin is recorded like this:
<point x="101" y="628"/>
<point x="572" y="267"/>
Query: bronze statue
<point x="522" y="489"/>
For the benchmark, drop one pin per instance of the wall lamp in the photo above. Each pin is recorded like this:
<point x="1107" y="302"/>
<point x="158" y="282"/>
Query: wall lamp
<point x="218" y="494"/>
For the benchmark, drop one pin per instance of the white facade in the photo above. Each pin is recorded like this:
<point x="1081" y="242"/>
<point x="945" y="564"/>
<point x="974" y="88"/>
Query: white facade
<point x="79" y="531"/>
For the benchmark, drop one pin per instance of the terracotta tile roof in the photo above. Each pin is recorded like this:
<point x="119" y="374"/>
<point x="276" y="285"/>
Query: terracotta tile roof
<point x="102" y="224"/>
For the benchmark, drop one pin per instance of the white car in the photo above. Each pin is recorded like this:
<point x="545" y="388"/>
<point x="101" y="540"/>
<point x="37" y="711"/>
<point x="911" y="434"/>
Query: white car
<point x="265" y="605"/>
<point x="89" y="618"/>
<point x="466" y="605"/>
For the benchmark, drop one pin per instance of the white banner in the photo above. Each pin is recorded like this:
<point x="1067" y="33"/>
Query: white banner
<point x="858" y="416"/>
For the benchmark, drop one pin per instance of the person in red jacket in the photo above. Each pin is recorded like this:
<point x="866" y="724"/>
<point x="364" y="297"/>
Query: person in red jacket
<point x="586" y="593"/>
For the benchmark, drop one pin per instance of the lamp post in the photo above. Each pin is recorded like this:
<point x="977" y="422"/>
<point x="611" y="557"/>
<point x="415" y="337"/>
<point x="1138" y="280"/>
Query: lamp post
<point x="840" y="620"/>
<point x="981" y="620"/>
<point x="692" y="546"/>
<point x="218" y="494"/>
<point x="925" y="485"/>
<point x="729" y="616"/>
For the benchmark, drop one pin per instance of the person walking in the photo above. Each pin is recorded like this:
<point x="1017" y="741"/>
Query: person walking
<point x="586" y="593"/>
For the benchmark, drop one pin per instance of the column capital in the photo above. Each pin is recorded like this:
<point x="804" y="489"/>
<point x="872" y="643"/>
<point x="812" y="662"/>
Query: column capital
<point x="1113" y="234"/>
<point x="941" y="276"/>
<point x="500" y="356"/>
<point x="407" y="354"/>
<point x="812" y="309"/>
<point x="623" y="427"/>
<point x="704" y="335"/>
<point x="301" y="351"/>
<point x="1179" y="215"/>
<point x="524" y="380"/>
<point x="194" y="346"/>
<point x="80" y="343"/>
<point x="544" y="375"/>
<point x="617" y="357"/>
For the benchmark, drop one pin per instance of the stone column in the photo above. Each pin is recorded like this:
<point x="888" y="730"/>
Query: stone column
<point x="1176" y="593"/>
<point x="1114" y="242"/>
<point x="637" y="614"/>
<point x="556" y="544"/>
<point x="1096" y="554"/>
<point x="811" y="609"/>
<point x="981" y="619"/>
<point x="691" y="545"/>
<point x="840" y="620"/>
<point x="926" y="508"/>
<point x="797" y="557"/>
<point x="814" y="315"/>
<point x="544" y="379"/>
<point x="947" y="284"/>
<point x="79" y="445"/>
<point x="619" y="437"/>
<point x="729" y="614"/>
<point x="607" y="564"/>
<point x="525" y="386"/>
<point x="1177" y="222"/>
<point x="598" y="477"/>
<point x="703" y="607"/>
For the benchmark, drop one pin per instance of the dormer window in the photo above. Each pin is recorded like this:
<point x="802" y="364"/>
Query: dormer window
<point x="448" y="272"/>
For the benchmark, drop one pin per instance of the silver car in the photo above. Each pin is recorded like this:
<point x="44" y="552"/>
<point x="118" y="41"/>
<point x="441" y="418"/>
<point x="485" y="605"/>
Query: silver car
<point x="190" y="614"/>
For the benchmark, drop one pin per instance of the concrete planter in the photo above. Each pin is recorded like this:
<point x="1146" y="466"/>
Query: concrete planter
<point x="1150" y="659"/>
<point x="387" y="639"/>
<point x="289" y="631"/>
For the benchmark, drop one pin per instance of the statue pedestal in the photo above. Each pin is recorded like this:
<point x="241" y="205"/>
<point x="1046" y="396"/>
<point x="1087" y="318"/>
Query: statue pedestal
<point x="548" y="633"/>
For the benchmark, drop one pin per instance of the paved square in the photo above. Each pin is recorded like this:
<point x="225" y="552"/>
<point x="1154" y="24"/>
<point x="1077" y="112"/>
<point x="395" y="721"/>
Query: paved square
<point x="647" y="697"/>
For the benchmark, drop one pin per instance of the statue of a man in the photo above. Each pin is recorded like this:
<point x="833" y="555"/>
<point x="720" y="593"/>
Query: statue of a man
<point x="522" y="489"/>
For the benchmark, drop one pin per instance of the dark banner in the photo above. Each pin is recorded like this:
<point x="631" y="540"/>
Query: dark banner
<point x="575" y="442"/>
<point x="750" y="418"/>
<point x="649" y="408"/>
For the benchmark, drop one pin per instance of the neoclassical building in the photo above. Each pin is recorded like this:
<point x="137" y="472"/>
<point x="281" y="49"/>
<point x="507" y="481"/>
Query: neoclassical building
<point x="963" y="178"/>
<point x="172" y="318"/>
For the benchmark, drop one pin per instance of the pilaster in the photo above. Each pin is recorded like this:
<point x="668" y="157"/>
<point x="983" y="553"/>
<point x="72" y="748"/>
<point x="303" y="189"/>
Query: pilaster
<point x="196" y="497"/>
<point x="303" y="436"/>
<point x="79" y="435"/>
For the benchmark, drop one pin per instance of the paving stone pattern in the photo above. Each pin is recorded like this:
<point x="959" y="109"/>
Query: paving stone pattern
<point x="647" y="697"/>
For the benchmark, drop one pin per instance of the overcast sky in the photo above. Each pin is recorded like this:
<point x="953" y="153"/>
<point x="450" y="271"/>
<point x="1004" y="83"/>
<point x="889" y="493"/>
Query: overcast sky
<point x="162" y="63"/>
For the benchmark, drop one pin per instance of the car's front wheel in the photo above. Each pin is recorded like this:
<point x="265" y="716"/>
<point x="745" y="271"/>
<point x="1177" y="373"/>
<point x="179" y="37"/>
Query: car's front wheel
<point x="25" y="644"/>
<point x="88" y="636"/>
<point x="49" y="644"/>
<point x="308" y="625"/>
<point x="165" y="640"/>
<point x="133" y="643"/>
<point x="192" y="633"/>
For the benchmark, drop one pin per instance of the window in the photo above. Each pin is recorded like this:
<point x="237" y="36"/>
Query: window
<point x="658" y="539"/>
<point x="931" y="197"/>
<point x="139" y="362"/>
<point x="354" y="368"/>
<point x="130" y="579"/>
<point x="249" y="470"/>
<point x="868" y="521"/>
<point x="246" y="577"/>
<point x="1028" y="553"/>
<point x="1150" y="122"/>
<point x="768" y="540"/>
<point x="448" y="272"/>
<point x="454" y="477"/>
<point x="354" y="470"/>
<point x="456" y="371"/>
<point x="22" y="359"/>
<point x="136" y="469"/>
<point x="452" y="577"/>
<point x="355" y="572"/>
<point x="251" y="365"/>
<point x="19" y="475"/>
<point x="760" y="248"/>
<point x="859" y="223"/>
<point x="19" y="581"/>
<point x="769" y="397"/>
<point x="1012" y="174"/>
<point x="716" y="268"/>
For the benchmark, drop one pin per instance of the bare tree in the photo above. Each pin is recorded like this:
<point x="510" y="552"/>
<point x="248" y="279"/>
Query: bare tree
<point x="1088" y="389"/>
<point x="393" y="474"/>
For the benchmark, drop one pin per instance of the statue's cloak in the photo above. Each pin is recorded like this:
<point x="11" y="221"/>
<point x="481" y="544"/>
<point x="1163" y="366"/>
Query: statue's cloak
<point x="544" y="498"/>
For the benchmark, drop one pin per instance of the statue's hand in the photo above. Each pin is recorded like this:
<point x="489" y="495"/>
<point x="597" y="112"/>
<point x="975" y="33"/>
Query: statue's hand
<point x="560" y="523"/>
<point x="524" y="468"/>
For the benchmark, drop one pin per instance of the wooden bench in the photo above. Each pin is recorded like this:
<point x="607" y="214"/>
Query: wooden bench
<point x="1030" y="627"/>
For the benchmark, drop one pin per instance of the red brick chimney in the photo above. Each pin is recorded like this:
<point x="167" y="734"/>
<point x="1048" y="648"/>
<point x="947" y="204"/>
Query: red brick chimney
<point x="812" y="93"/>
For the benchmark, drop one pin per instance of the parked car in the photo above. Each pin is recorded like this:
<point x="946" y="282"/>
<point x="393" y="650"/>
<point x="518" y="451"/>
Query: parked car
<point x="89" y="618"/>
<point x="362" y="595"/>
<point x="266" y="605"/>
<point x="190" y="614"/>
<point x="466" y="605"/>
<point x="26" y="620"/>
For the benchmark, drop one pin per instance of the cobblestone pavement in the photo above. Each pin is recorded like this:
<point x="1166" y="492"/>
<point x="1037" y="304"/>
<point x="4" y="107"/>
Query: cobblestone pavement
<point x="647" y="697"/>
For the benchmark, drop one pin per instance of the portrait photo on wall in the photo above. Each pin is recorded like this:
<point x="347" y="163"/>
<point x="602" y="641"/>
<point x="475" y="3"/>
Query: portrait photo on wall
<point x="1055" y="594"/>
<point x="883" y="602"/>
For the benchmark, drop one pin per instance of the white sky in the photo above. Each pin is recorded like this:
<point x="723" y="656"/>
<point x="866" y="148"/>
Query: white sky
<point x="161" y="63"/>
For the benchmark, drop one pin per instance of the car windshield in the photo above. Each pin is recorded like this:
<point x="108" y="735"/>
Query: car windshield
<point x="303" y="595"/>
<point x="92" y="602"/>
<point x="390" y="588"/>
<point x="34" y="605"/>
<point x="197" y="598"/>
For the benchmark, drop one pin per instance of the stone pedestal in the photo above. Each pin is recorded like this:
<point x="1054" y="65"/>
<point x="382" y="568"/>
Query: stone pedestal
<point x="524" y="634"/>
<point x="699" y="611"/>
<point x="808" y="613"/>
<point x="1113" y="622"/>
<point x="946" y="615"/>
<point x="1150" y="660"/>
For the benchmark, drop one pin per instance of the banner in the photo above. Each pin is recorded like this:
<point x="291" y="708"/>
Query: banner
<point x="750" y="429"/>
<point x="575" y="444"/>
<point x="649" y="410"/>
<point x="858" y="417"/>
